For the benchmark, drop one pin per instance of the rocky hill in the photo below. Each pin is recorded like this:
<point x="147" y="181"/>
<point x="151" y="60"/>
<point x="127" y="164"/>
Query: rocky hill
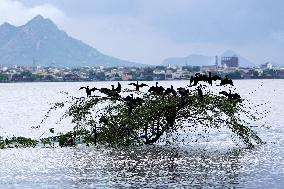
<point x="40" y="42"/>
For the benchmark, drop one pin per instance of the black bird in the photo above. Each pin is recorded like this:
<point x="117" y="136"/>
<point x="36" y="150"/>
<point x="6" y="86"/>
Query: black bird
<point x="105" y="90"/>
<point x="156" y="89"/>
<point x="231" y="96"/>
<point x="117" y="89"/>
<point x="132" y="102"/>
<point x="182" y="91"/>
<point x="138" y="86"/>
<point x="113" y="92"/>
<point x="109" y="92"/>
<point x="170" y="91"/>
<point x="199" y="92"/>
<point x="88" y="90"/>
<point x="226" y="81"/>
<point x="209" y="79"/>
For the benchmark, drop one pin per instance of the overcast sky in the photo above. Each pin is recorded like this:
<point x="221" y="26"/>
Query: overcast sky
<point x="149" y="31"/>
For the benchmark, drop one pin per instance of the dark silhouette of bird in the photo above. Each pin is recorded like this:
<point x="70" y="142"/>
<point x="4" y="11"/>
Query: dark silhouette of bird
<point x="182" y="91"/>
<point x="200" y="92"/>
<point x="231" y="96"/>
<point x="226" y="81"/>
<point x="138" y="86"/>
<point x="117" y="89"/>
<point x="51" y="130"/>
<point x="113" y="93"/>
<point x="88" y="90"/>
<point x="156" y="89"/>
<point x="197" y="78"/>
<point x="171" y="91"/>
<point x="105" y="90"/>
<point x="209" y="79"/>
<point x="132" y="102"/>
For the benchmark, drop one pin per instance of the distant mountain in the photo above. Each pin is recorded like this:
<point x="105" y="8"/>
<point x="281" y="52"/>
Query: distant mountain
<point x="41" y="41"/>
<point x="193" y="60"/>
<point x="7" y="31"/>
<point x="201" y="60"/>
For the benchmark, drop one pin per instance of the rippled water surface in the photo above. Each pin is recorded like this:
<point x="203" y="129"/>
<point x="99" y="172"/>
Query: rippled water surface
<point x="215" y="163"/>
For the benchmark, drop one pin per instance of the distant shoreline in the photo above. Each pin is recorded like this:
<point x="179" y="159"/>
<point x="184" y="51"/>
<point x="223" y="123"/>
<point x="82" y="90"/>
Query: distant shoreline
<point x="127" y="81"/>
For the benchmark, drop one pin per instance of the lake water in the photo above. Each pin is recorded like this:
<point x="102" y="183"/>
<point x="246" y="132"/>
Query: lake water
<point x="215" y="163"/>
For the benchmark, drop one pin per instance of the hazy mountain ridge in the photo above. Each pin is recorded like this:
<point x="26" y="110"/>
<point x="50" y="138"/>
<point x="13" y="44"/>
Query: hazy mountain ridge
<point x="42" y="41"/>
<point x="193" y="60"/>
<point x="203" y="60"/>
<point x="7" y="31"/>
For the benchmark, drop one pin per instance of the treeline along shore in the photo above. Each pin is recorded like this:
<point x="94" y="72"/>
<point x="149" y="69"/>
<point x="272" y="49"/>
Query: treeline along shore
<point x="56" y="74"/>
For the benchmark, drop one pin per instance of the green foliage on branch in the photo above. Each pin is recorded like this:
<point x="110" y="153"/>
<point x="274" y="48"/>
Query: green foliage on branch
<point x="15" y="142"/>
<point x="135" y="117"/>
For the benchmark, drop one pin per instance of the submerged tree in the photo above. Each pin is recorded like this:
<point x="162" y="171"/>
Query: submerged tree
<point x="134" y="117"/>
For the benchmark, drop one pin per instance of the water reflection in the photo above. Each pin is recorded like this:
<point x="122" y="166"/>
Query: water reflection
<point x="156" y="167"/>
<point x="152" y="167"/>
<point x="216" y="165"/>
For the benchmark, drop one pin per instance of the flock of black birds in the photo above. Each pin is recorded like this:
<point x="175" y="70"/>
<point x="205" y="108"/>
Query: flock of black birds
<point x="114" y="92"/>
<point x="203" y="77"/>
<point x="131" y="101"/>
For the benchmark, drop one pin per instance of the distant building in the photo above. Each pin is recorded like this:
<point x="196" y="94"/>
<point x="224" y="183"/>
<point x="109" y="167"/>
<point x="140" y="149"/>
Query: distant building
<point x="216" y="61"/>
<point x="266" y="65"/>
<point x="230" y="61"/>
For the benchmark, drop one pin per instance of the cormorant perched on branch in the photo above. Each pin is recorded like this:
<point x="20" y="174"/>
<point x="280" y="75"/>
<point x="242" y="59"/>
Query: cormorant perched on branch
<point x="226" y="81"/>
<point x="109" y="92"/>
<point x="114" y="92"/>
<point x="131" y="102"/>
<point x="214" y="78"/>
<point x="88" y="90"/>
<point x="138" y="86"/>
<point x="156" y="89"/>
<point x="182" y="91"/>
<point x="231" y="96"/>
<point x="117" y="89"/>
<point x="170" y="91"/>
